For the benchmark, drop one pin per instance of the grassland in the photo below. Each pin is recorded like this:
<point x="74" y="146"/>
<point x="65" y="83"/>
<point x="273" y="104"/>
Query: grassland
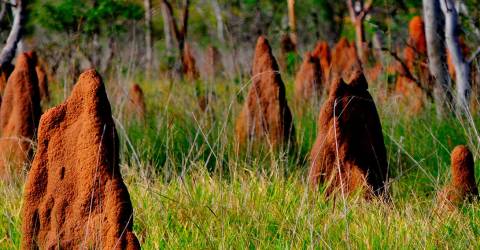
<point x="190" y="189"/>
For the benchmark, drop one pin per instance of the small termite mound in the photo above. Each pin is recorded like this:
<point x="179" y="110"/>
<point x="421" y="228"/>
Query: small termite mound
<point x="136" y="102"/>
<point x="308" y="81"/>
<point x="213" y="62"/>
<point x="323" y="53"/>
<point x="5" y="71"/>
<point x="189" y="64"/>
<point x="463" y="186"/>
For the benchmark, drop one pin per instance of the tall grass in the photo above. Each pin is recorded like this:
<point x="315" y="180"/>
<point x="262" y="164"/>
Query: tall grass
<point x="190" y="189"/>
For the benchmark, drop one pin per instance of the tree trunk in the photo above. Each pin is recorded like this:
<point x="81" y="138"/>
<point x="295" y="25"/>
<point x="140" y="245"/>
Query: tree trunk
<point x="148" y="37"/>
<point x="3" y="10"/>
<point x="167" y="30"/>
<point x="16" y="32"/>
<point x="434" y="33"/>
<point x="358" y="18"/>
<point x="292" y="21"/>
<point x="219" y="20"/>
<point x="462" y="66"/>
<point x="360" y="35"/>
<point x="180" y="34"/>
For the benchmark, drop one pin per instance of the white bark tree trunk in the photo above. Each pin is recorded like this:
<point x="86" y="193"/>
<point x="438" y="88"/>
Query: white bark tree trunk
<point x="148" y="36"/>
<point x="219" y="20"/>
<point x="434" y="33"/>
<point x="16" y="32"/>
<point x="462" y="66"/>
<point x="166" y="30"/>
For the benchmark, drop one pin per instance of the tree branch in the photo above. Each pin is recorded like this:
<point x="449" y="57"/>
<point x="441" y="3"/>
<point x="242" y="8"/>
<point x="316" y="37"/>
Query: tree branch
<point x="407" y="73"/>
<point x="474" y="56"/>
<point x="185" y="18"/>
<point x="171" y="18"/>
<point x="351" y="10"/>
<point x="10" y="48"/>
<point x="366" y="9"/>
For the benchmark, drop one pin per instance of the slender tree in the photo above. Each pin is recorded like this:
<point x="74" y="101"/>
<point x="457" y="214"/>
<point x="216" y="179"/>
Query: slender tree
<point x="292" y="21"/>
<point x="434" y="33"/>
<point x="219" y="19"/>
<point x="358" y="11"/>
<point x="179" y="32"/>
<point x="19" y="15"/>
<point x="462" y="65"/>
<point x="148" y="36"/>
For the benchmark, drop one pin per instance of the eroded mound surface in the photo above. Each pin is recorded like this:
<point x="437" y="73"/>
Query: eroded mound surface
<point x="74" y="196"/>
<point x="349" y="152"/>
<point x="308" y="81"/>
<point x="19" y="115"/>
<point x="265" y="115"/>
<point x="463" y="186"/>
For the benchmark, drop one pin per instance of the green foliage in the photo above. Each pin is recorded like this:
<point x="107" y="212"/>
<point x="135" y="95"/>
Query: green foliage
<point x="74" y="16"/>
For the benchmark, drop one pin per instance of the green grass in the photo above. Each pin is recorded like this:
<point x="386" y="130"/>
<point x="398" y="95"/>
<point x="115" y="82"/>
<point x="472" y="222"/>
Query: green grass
<point x="190" y="189"/>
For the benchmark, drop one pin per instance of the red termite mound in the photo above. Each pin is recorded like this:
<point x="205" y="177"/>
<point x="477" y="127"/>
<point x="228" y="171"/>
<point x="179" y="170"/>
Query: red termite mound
<point x="463" y="186"/>
<point x="42" y="83"/>
<point x="136" y="101"/>
<point x="41" y="76"/>
<point x="308" y="81"/>
<point x="415" y="56"/>
<point x="344" y="60"/>
<point x="74" y="196"/>
<point x="19" y="115"/>
<point x="322" y="52"/>
<point x="265" y="114"/>
<point x="5" y="72"/>
<point x="189" y="64"/>
<point x="349" y="152"/>
<point x="287" y="46"/>
<point x="213" y="62"/>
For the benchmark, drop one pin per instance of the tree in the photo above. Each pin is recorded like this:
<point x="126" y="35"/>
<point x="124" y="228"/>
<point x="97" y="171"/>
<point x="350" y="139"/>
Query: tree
<point x="148" y="36"/>
<point x="19" y="12"/>
<point x="292" y="21"/>
<point x="357" y="16"/>
<point x="179" y="33"/>
<point x="219" y="20"/>
<point x="83" y="24"/>
<point x="437" y="57"/>
<point x="462" y="65"/>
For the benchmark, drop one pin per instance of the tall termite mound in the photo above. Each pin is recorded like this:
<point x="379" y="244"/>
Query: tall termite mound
<point x="189" y="64"/>
<point x="415" y="57"/>
<point x="349" y="152"/>
<point x="74" y="196"/>
<point x="41" y="76"/>
<point x="323" y="53"/>
<point x="19" y="115"/>
<point x="265" y="114"/>
<point x="136" y="102"/>
<point x="308" y="81"/>
<point x="463" y="186"/>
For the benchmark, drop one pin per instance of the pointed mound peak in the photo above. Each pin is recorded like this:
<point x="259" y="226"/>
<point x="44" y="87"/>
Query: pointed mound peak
<point x="264" y="59"/>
